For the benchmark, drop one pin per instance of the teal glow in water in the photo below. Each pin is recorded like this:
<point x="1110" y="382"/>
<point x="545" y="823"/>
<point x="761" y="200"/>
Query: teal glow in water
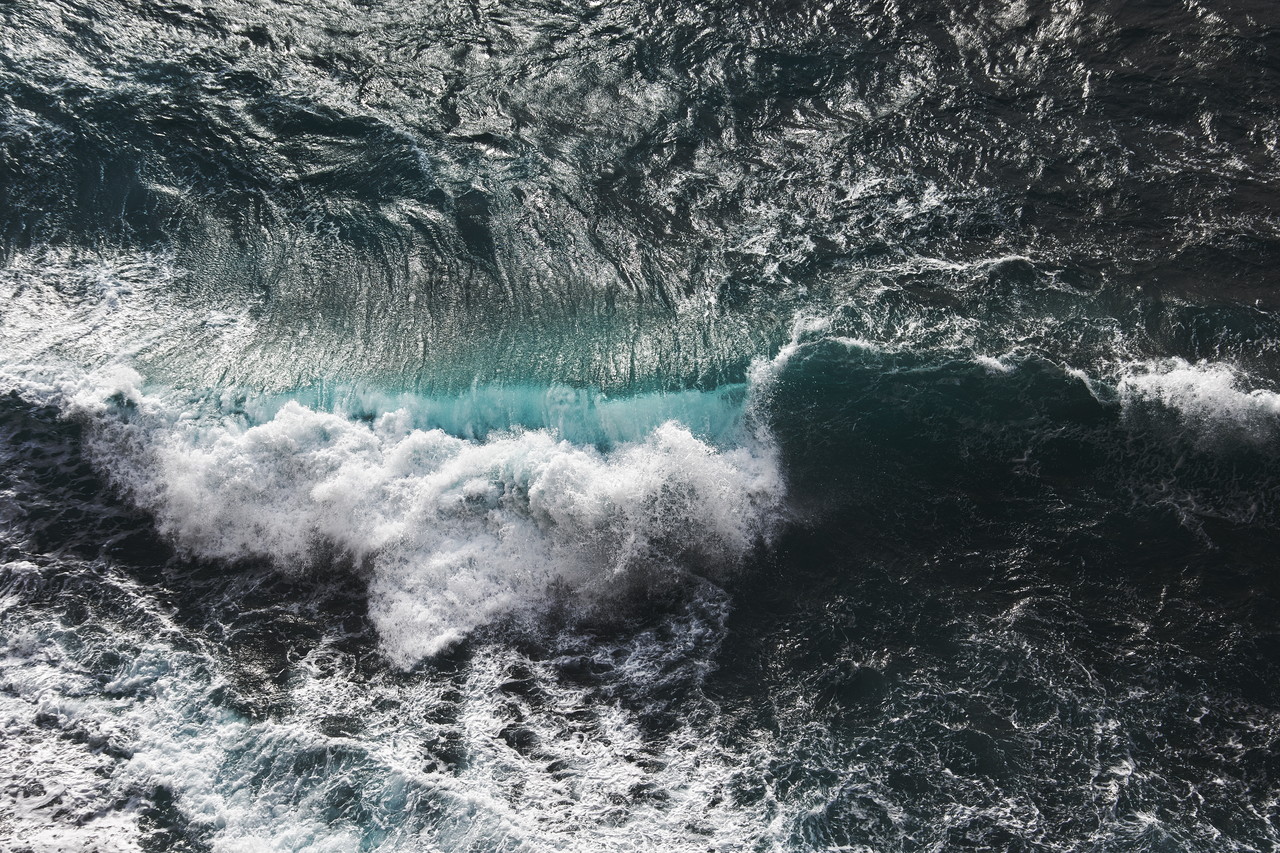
<point x="581" y="416"/>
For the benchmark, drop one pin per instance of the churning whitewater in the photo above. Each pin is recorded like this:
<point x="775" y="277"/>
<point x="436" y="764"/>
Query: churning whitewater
<point x="659" y="426"/>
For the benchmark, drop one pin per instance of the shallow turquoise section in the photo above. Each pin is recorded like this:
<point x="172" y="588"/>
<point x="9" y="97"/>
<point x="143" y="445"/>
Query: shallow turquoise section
<point x="578" y="415"/>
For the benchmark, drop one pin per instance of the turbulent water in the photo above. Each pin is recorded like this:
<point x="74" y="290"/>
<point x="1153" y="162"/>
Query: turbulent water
<point x="680" y="425"/>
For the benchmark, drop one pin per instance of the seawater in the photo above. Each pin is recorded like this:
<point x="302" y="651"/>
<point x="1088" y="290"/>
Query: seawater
<point x="687" y="426"/>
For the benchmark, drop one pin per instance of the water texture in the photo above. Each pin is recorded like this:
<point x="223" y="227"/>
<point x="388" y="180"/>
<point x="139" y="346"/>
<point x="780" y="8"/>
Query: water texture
<point x="666" y="426"/>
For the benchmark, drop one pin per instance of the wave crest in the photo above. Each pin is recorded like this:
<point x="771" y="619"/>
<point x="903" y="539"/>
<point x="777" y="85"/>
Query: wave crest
<point x="455" y="533"/>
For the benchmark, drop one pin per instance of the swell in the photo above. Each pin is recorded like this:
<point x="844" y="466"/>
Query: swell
<point x="490" y="504"/>
<point x="1013" y="672"/>
<point x="407" y="191"/>
<point x="671" y="426"/>
<point x="452" y="532"/>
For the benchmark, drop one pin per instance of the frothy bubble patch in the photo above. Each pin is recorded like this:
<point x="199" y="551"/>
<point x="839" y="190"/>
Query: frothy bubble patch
<point x="994" y="365"/>
<point x="1207" y="396"/>
<point x="455" y="533"/>
<point x="465" y="764"/>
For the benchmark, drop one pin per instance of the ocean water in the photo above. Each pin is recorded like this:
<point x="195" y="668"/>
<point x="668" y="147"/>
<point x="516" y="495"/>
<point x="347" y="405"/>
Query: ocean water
<point x="667" y="427"/>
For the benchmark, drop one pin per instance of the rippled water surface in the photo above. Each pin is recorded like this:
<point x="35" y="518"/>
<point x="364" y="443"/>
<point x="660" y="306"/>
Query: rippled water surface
<point x="572" y="426"/>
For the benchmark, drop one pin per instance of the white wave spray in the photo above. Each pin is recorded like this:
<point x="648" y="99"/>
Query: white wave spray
<point x="454" y="533"/>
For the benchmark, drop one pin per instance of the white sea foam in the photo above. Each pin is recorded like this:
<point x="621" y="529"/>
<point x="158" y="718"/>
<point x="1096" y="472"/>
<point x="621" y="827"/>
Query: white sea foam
<point x="594" y="780"/>
<point x="994" y="365"/>
<point x="54" y="793"/>
<point x="1207" y="396"/>
<point x="454" y="532"/>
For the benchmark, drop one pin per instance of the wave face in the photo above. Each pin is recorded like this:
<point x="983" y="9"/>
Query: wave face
<point x="676" y="426"/>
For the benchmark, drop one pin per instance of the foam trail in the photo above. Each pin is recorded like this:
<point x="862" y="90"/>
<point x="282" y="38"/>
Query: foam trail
<point x="596" y="781"/>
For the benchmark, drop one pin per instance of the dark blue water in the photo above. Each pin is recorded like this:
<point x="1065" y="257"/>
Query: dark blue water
<point x="639" y="426"/>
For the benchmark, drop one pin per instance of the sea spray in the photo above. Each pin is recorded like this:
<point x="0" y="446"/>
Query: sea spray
<point x="456" y="532"/>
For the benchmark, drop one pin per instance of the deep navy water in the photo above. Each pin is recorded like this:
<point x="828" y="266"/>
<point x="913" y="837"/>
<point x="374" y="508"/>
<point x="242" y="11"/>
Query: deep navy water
<point x="555" y="425"/>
